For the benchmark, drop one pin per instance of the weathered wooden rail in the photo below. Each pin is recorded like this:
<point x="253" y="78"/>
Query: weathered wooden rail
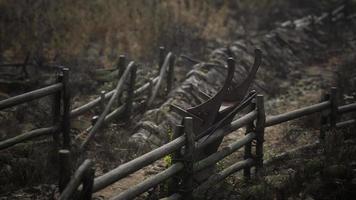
<point x="60" y="93"/>
<point x="62" y="116"/>
<point x="62" y="96"/>
<point x="83" y="175"/>
<point x="182" y="147"/>
<point x="126" y="109"/>
<point x="156" y="81"/>
<point x="256" y="121"/>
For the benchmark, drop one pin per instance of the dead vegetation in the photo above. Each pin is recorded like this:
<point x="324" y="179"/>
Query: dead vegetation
<point x="95" y="32"/>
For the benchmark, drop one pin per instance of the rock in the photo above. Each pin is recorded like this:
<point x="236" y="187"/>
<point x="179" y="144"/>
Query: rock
<point x="285" y="50"/>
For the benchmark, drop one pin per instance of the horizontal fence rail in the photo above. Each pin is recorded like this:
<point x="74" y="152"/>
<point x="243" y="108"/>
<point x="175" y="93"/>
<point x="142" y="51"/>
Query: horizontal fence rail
<point x="158" y="153"/>
<point x="84" y="171"/>
<point x="90" y="105"/>
<point x="277" y="119"/>
<point x="226" y="172"/>
<point x="204" y="140"/>
<point x="346" y="123"/>
<point x="231" y="148"/>
<point x="82" y="182"/>
<point x="347" y="108"/>
<point x="56" y="90"/>
<point x="29" y="96"/>
<point x="16" y="64"/>
<point x="142" y="187"/>
<point x="119" y="89"/>
<point x="27" y="136"/>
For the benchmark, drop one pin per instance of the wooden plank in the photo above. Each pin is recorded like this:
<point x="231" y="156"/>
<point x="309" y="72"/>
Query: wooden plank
<point x="136" y="164"/>
<point x="64" y="169"/>
<point x="260" y="131"/>
<point x="347" y="108"/>
<point x="173" y="185"/>
<point x="29" y="96"/>
<point x="231" y="148"/>
<point x="27" y="136"/>
<point x="188" y="170"/>
<point x="146" y="86"/>
<point x="214" y="179"/>
<point x="218" y="134"/>
<point x="161" y="56"/>
<point x="76" y="180"/>
<point x="130" y="95"/>
<point x="102" y="100"/>
<point x="150" y="182"/>
<point x="250" y="127"/>
<point x="109" y="117"/>
<point x="88" y="181"/>
<point x="66" y="109"/>
<point x="277" y="119"/>
<point x="121" y="66"/>
<point x="56" y="115"/>
<point x="158" y="153"/>
<point x="161" y="76"/>
<point x="323" y="118"/>
<point x="100" y="122"/>
<point x="170" y="75"/>
<point x="86" y="107"/>
<point x="346" y="123"/>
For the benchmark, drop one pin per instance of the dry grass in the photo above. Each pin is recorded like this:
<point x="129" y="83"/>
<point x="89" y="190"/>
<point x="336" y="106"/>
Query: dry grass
<point x="62" y="30"/>
<point x="98" y="30"/>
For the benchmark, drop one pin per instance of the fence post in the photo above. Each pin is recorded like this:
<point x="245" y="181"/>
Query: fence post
<point x="324" y="118"/>
<point x="170" y="75"/>
<point x="88" y="180"/>
<point x="248" y="146"/>
<point x="333" y="109"/>
<point x="187" y="182"/>
<point x="66" y="109"/>
<point x="57" y="115"/>
<point x="121" y="66"/>
<point x="260" y="130"/>
<point x="102" y="100"/>
<point x="161" y="57"/>
<point x="102" y="108"/>
<point x="176" y="157"/>
<point x="64" y="168"/>
<point x="130" y="94"/>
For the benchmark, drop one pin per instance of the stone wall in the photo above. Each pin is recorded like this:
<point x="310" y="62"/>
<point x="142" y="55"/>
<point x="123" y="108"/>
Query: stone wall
<point x="286" y="48"/>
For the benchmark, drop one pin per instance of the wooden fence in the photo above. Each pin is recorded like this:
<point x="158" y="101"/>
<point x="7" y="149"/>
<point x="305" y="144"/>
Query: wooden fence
<point x="60" y="123"/>
<point x="62" y="114"/>
<point x="60" y="90"/>
<point x="81" y="185"/>
<point x="181" y="172"/>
